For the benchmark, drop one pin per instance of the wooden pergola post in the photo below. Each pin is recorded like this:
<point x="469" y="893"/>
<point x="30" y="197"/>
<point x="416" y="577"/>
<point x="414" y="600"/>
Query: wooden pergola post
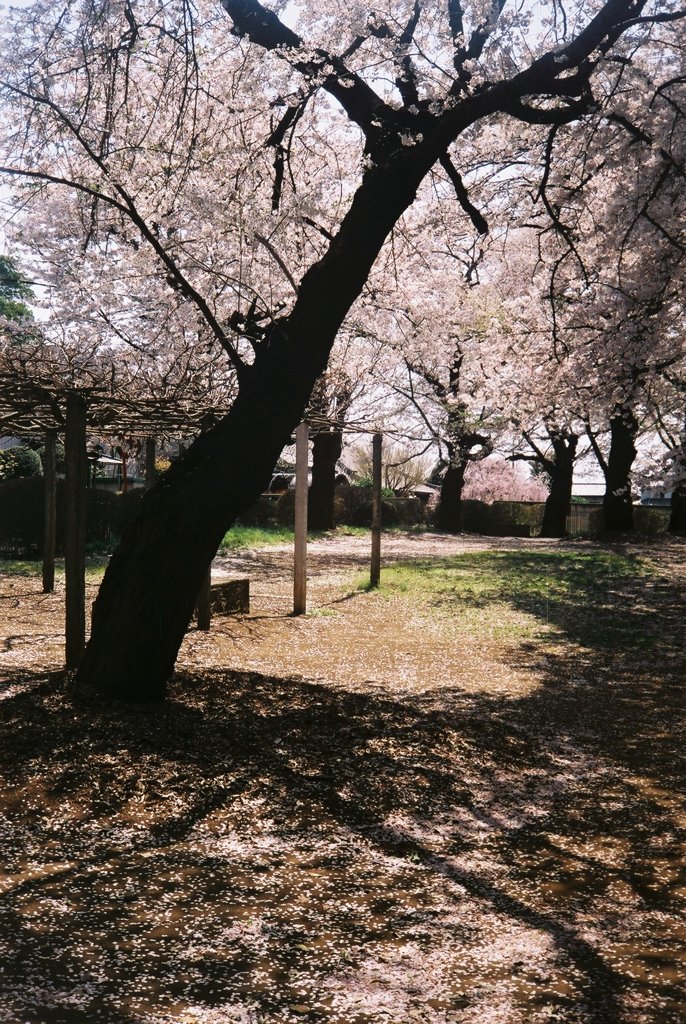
<point x="375" y="572"/>
<point x="75" y="465"/>
<point x="149" y="462"/>
<point x="301" y="489"/>
<point x="50" y="510"/>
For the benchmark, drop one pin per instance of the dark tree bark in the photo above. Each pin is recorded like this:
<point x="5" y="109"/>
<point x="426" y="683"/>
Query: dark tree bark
<point x="449" y="516"/>
<point x="50" y="511"/>
<point x="326" y="451"/>
<point x="460" y="454"/>
<point x="618" y="510"/>
<point x="76" y="473"/>
<point x="561" y="473"/>
<point x="677" y="517"/>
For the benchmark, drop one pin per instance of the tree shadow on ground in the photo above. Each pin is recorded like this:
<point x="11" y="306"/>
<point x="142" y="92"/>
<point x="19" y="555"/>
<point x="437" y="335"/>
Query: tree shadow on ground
<point x="613" y="666"/>
<point x="271" y="849"/>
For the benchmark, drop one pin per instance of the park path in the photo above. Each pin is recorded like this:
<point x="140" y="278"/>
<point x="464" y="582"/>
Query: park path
<point x="32" y="623"/>
<point x="349" y="637"/>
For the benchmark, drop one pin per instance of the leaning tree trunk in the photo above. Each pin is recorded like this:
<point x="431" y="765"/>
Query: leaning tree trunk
<point x="326" y="451"/>
<point x="561" y="472"/>
<point x="618" y="510"/>
<point x="150" y="587"/>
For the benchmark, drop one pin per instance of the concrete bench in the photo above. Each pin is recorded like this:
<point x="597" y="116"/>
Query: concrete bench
<point x="230" y="597"/>
<point x="224" y="597"/>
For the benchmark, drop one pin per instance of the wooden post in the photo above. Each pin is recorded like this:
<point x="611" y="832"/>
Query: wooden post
<point x="375" y="573"/>
<point x="149" y="462"/>
<point x="204" y="603"/>
<point x="50" y="512"/>
<point x="301" y="488"/>
<point x="75" y="465"/>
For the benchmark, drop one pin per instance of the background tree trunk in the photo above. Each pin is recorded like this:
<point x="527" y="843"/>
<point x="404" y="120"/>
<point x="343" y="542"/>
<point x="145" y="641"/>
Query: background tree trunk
<point x="466" y="446"/>
<point x="449" y="517"/>
<point x="326" y="451"/>
<point x="677" y="518"/>
<point x="618" y="510"/>
<point x="561" y="472"/>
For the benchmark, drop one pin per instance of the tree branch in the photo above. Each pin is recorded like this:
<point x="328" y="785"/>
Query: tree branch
<point x="548" y="115"/>
<point x="476" y="217"/>
<point x="272" y="251"/>
<point x="288" y="121"/>
<point x="539" y="455"/>
<point x="406" y="80"/>
<point x="456" y="22"/>
<point x="477" y="40"/>
<point x="262" y="27"/>
<point x="640" y="136"/>
<point x="55" y="179"/>
<point x="602" y="461"/>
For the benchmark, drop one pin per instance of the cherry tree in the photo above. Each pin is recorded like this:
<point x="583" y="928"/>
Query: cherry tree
<point x="499" y="479"/>
<point x="616" y="269"/>
<point x="526" y="387"/>
<point x="437" y="337"/>
<point x="157" y="122"/>
<point x="610" y="269"/>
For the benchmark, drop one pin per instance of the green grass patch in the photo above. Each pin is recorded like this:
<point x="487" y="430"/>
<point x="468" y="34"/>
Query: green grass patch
<point x="255" y="537"/>
<point x="19" y="567"/>
<point x="95" y="567"/>
<point x="596" y="598"/>
<point x="262" y="536"/>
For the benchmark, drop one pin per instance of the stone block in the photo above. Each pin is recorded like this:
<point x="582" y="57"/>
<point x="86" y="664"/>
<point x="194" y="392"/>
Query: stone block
<point x="230" y="597"/>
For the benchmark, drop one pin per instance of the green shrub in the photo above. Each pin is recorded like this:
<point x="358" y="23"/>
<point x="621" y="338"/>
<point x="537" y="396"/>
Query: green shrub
<point x="362" y="515"/>
<point x="19" y="462"/>
<point x="502" y="518"/>
<point x="476" y="516"/>
<point x="651" y="520"/>
<point x="366" y="483"/>
<point x="263" y="513"/>
<point x="59" y="455"/>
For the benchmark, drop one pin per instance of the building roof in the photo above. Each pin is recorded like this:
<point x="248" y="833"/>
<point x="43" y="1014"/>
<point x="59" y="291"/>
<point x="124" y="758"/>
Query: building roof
<point x="588" y="488"/>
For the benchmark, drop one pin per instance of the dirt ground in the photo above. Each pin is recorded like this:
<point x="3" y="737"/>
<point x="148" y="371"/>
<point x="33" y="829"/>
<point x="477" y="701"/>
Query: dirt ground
<point x="342" y="640"/>
<point x="368" y="815"/>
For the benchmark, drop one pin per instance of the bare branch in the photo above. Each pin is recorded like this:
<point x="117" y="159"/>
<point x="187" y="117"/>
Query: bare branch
<point x="406" y="81"/>
<point x="539" y="456"/>
<point x="602" y="461"/>
<point x="272" y="252"/>
<point x="477" y="218"/>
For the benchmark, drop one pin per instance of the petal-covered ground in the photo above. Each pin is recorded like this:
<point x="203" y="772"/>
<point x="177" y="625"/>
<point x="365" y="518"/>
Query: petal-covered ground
<point x="439" y="806"/>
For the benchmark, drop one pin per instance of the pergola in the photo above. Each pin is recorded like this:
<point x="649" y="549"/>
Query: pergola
<point x="43" y="405"/>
